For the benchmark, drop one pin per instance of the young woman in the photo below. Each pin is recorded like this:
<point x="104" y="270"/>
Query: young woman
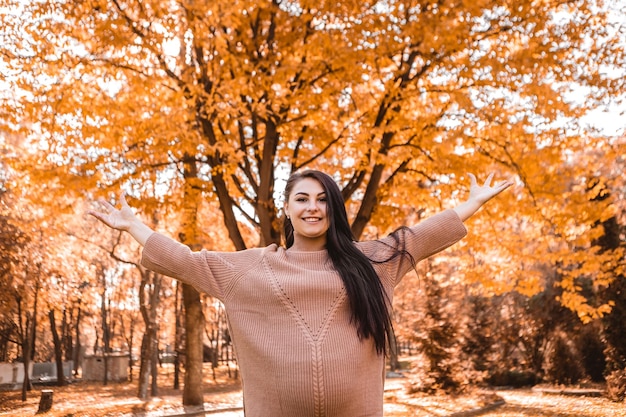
<point x="311" y="321"/>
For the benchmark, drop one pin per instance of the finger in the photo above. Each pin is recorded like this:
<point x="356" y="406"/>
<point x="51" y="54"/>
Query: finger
<point x="123" y="199"/>
<point x="502" y="185"/>
<point x="97" y="215"/>
<point x="472" y="179"/>
<point x="505" y="183"/>
<point x="487" y="182"/>
<point x="106" y="204"/>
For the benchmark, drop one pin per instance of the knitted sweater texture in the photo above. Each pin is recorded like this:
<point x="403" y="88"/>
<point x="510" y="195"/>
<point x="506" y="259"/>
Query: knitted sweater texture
<point x="289" y="317"/>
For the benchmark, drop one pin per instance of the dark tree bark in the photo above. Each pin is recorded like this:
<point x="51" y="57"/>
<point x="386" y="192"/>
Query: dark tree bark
<point x="78" y="347"/>
<point x="149" y="291"/>
<point x="26" y="351"/>
<point x="66" y="335"/>
<point x="105" y="327"/>
<point x="28" y="334"/>
<point x="129" y="335"/>
<point x="194" y="316"/>
<point x="58" y="350"/>
<point x="45" y="402"/>
<point x="154" y="340"/>
<point x="178" y="335"/>
<point x="194" y="326"/>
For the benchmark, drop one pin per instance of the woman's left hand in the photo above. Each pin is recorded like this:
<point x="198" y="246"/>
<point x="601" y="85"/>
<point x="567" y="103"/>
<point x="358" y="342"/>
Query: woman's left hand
<point x="483" y="193"/>
<point x="479" y="195"/>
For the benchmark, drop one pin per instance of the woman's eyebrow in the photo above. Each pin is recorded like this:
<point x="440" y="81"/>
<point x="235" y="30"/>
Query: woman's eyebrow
<point x="305" y="193"/>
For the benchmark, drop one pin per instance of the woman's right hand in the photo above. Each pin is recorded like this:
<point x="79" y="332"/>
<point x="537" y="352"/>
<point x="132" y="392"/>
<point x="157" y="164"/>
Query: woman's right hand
<point x="121" y="219"/>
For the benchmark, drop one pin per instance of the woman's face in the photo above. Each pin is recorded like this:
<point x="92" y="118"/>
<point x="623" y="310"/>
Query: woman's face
<point x="306" y="208"/>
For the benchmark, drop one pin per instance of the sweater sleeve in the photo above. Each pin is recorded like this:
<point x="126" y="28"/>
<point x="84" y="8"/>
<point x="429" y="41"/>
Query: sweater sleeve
<point x="207" y="271"/>
<point x="421" y="241"/>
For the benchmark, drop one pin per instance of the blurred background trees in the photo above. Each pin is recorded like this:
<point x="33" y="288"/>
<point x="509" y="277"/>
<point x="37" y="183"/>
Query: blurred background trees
<point x="200" y="110"/>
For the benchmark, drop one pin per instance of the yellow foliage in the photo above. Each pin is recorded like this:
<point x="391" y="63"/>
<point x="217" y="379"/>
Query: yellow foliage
<point x="109" y="95"/>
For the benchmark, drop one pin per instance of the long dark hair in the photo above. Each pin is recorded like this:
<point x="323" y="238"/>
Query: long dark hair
<point x="369" y="303"/>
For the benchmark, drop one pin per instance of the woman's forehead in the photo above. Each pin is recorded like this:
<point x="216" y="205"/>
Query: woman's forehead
<point x="308" y="186"/>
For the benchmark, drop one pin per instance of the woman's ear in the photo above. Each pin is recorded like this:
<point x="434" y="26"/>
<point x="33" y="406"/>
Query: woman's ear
<point x="286" y="209"/>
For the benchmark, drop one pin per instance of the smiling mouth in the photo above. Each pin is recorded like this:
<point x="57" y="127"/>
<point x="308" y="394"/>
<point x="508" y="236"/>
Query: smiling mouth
<point x="311" y="219"/>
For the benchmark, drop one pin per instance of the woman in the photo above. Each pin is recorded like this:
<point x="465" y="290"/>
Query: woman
<point x="310" y="322"/>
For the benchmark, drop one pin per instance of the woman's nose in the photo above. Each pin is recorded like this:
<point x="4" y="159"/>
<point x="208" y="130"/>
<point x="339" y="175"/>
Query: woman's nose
<point x="312" y="205"/>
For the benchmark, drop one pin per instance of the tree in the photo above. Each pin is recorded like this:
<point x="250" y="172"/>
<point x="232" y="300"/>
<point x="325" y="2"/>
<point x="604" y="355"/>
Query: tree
<point x="149" y="293"/>
<point x="438" y="336"/>
<point x="13" y="242"/>
<point x="615" y="292"/>
<point x="479" y="340"/>
<point x="23" y="283"/>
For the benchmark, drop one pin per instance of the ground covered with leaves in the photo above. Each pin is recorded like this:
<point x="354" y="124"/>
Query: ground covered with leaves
<point x="223" y="399"/>
<point x="502" y="403"/>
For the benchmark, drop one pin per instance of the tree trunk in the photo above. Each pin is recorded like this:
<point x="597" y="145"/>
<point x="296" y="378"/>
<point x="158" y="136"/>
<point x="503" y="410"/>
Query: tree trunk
<point x="194" y="317"/>
<point x="66" y="335"/>
<point x="26" y="352"/>
<point x="154" y="327"/>
<point x="33" y="337"/>
<point x="131" y="345"/>
<point x="144" y="356"/>
<point x="149" y="296"/>
<point x="45" y="402"/>
<point x="194" y="326"/>
<point x="28" y="342"/>
<point x="370" y="198"/>
<point x="58" y="349"/>
<point x="265" y="206"/>
<point x="104" y="323"/>
<point x="154" y="387"/>
<point x="219" y="183"/>
<point x="177" y="337"/>
<point x="76" y="356"/>
<point x="5" y="334"/>
<point x="144" y="367"/>
<point x="105" y="331"/>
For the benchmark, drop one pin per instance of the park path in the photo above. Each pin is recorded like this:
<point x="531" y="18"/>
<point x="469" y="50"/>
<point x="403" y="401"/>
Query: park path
<point x="524" y="403"/>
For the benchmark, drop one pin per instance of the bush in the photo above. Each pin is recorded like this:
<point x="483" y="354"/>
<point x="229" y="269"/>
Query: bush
<point x="563" y="365"/>
<point x="591" y="349"/>
<point x="515" y="379"/>
<point x="616" y="385"/>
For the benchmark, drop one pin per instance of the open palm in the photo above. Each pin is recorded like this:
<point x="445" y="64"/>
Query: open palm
<point x="485" y="192"/>
<point x="120" y="219"/>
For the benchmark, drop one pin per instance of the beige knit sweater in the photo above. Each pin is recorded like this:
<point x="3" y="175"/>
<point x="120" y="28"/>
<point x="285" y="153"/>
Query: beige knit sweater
<point x="289" y="317"/>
